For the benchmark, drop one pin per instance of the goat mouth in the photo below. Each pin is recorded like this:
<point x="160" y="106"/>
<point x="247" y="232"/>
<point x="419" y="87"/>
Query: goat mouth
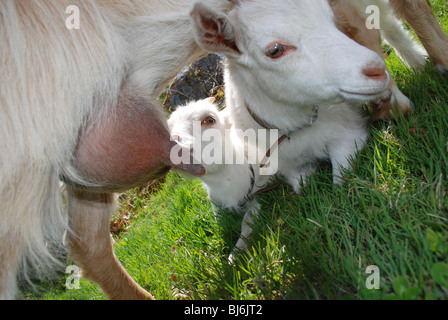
<point x="361" y="96"/>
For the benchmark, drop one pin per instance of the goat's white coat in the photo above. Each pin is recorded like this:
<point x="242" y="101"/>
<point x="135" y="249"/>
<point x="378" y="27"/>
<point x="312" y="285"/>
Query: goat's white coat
<point x="337" y="134"/>
<point x="55" y="80"/>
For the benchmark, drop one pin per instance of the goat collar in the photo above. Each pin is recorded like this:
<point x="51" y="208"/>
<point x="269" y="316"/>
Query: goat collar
<point x="313" y="117"/>
<point x="264" y="124"/>
<point x="249" y="194"/>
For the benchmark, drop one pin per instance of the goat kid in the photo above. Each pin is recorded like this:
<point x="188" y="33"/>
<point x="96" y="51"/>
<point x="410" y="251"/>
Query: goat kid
<point x="230" y="185"/>
<point x="336" y="131"/>
<point x="294" y="79"/>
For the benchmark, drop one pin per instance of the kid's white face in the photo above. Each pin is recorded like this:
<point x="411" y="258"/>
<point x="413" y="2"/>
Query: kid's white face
<point x="192" y="121"/>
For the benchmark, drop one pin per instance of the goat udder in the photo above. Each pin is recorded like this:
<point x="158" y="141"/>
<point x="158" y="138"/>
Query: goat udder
<point x="128" y="148"/>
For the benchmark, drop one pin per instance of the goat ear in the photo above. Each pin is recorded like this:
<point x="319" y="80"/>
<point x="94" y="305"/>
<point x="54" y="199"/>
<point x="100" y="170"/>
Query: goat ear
<point x="210" y="99"/>
<point x="212" y="30"/>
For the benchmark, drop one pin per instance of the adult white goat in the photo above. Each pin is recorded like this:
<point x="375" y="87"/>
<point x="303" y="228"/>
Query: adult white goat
<point x="78" y="104"/>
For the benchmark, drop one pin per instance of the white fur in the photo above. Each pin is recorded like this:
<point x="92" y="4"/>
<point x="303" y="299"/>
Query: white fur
<point x="44" y="100"/>
<point x="337" y="134"/>
<point x="228" y="184"/>
<point x="54" y="80"/>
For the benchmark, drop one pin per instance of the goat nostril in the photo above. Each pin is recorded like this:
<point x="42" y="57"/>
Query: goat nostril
<point x="177" y="137"/>
<point x="378" y="74"/>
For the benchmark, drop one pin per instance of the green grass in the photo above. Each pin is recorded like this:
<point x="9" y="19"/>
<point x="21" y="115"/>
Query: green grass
<point x="392" y="212"/>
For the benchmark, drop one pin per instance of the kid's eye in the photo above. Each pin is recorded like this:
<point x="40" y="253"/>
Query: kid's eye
<point x="208" y="121"/>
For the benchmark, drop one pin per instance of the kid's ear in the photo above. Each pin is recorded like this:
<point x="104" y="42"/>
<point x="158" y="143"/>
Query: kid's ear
<point x="212" y="30"/>
<point x="210" y="99"/>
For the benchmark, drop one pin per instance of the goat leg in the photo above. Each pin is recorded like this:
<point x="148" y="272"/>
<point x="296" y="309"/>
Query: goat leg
<point x="91" y="245"/>
<point x="421" y="18"/>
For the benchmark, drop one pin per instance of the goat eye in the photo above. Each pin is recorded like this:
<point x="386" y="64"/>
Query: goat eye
<point x="276" y="51"/>
<point x="209" y="121"/>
